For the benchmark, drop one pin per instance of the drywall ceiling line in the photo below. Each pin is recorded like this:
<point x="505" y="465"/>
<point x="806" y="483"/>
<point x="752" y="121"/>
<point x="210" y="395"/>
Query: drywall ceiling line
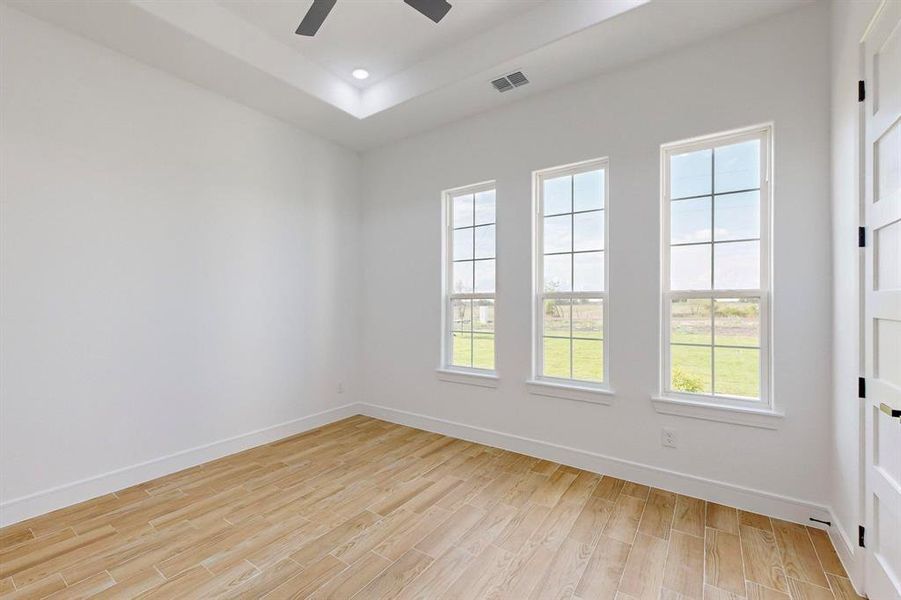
<point x="530" y="31"/>
<point x="218" y="27"/>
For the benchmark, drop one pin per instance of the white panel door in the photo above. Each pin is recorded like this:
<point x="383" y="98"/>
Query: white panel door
<point x="882" y="199"/>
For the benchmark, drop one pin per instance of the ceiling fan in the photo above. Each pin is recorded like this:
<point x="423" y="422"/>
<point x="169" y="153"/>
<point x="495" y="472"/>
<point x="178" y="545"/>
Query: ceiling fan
<point x="433" y="9"/>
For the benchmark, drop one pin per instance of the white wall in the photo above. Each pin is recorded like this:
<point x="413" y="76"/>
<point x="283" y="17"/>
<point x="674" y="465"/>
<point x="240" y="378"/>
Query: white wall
<point x="777" y="70"/>
<point x="176" y="270"/>
<point x="849" y="19"/>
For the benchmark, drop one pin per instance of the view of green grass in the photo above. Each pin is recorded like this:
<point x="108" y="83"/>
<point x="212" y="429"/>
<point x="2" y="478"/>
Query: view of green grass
<point x="583" y="320"/>
<point x="587" y="359"/>
<point x="477" y="351"/>
<point x="737" y="370"/>
<point x="735" y="323"/>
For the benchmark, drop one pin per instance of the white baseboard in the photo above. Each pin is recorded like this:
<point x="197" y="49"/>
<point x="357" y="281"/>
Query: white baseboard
<point x="848" y="552"/>
<point x="782" y="507"/>
<point x="25" y="507"/>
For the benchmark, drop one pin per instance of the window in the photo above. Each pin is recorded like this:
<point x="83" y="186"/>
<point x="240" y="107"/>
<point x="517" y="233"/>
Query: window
<point x="571" y="273"/>
<point x="469" y="282"/>
<point x="715" y="269"/>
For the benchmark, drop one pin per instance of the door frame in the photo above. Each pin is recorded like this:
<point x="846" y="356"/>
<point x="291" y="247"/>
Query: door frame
<point x="858" y="554"/>
<point x="866" y="264"/>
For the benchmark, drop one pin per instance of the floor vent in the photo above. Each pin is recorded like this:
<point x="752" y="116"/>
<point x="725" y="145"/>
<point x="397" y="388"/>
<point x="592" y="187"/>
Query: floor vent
<point x="508" y="82"/>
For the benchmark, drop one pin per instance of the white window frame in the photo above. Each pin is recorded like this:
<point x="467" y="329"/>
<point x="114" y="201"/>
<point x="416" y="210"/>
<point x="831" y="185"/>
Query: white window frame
<point x="764" y="133"/>
<point x="448" y="370"/>
<point x="539" y="380"/>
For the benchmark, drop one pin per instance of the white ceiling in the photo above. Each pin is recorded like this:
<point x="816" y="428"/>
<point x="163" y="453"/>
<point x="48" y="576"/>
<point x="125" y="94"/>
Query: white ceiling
<point x="381" y="36"/>
<point x="424" y="74"/>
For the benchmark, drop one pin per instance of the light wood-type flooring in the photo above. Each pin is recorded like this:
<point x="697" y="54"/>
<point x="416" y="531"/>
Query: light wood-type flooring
<point x="366" y="509"/>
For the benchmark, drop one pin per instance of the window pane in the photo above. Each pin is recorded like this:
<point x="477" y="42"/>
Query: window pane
<point x="737" y="322"/>
<point x="483" y="351"/>
<point x="588" y="360"/>
<point x="690" y="369"/>
<point x="463" y="277"/>
<point x="558" y="234"/>
<point x="737" y="216"/>
<point x="588" y="190"/>
<point x="463" y="244"/>
<point x="736" y="266"/>
<point x="690" y="267"/>
<point x="690" y="174"/>
<point x="737" y="372"/>
<point x="462" y="349"/>
<point x="484" y="241"/>
<point x="470" y="322"/>
<point x="556" y="317"/>
<point x="588" y="272"/>
<point x="484" y="207"/>
<point x="690" y="220"/>
<point x="737" y="166"/>
<point x="558" y="273"/>
<point x="588" y="318"/>
<point x="484" y="276"/>
<point x="690" y="321"/>
<point x="558" y="195"/>
<point x="483" y="315"/>
<point x="588" y="231"/>
<point x="556" y="358"/>
<point x="463" y="210"/>
<point x="461" y="315"/>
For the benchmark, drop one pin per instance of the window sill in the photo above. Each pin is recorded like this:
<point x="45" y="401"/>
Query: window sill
<point x="579" y="393"/>
<point x="748" y="417"/>
<point x="487" y="379"/>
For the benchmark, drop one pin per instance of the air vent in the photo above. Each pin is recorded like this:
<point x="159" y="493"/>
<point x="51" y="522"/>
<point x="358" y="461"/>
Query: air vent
<point x="501" y="84"/>
<point x="508" y="82"/>
<point x="517" y="79"/>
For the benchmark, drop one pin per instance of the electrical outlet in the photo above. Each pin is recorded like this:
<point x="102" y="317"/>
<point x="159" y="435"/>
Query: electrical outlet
<point x="668" y="437"/>
<point x="340" y="388"/>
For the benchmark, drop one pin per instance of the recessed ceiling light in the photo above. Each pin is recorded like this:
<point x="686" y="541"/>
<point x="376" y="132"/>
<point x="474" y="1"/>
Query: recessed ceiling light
<point x="360" y="73"/>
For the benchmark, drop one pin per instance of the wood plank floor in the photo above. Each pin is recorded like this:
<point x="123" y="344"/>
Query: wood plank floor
<point x="366" y="509"/>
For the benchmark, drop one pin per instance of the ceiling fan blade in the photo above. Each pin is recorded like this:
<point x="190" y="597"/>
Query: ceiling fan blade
<point x="315" y="16"/>
<point x="433" y="9"/>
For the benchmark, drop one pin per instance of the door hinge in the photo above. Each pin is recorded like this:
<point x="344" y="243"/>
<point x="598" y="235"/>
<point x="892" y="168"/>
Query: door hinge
<point x="861" y="535"/>
<point x="861" y="91"/>
<point x="861" y="387"/>
<point x="861" y="237"/>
